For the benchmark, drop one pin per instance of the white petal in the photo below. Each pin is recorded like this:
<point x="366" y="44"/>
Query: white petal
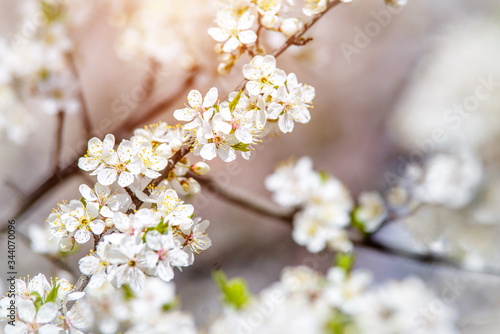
<point x="89" y="264"/>
<point x="125" y="179"/>
<point x="106" y="212"/>
<point x="109" y="141"/>
<point x="184" y="114"/>
<point x="125" y="151"/>
<point x="97" y="226"/>
<point x="251" y="72"/>
<point x="165" y="271"/>
<point x="194" y="98"/>
<point x="98" y="279"/>
<point x="231" y="44"/>
<point x="50" y="329"/>
<point x="253" y="87"/>
<point x="153" y="240"/>
<point x="47" y="312"/>
<point x="245" y="22"/>
<point x="243" y="136"/>
<point x="210" y="98"/>
<point x="209" y="151"/>
<point x="26" y="310"/>
<point x="87" y="192"/>
<point x="82" y="236"/>
<point x="226" y="153"/>
<point x="87" y="164"/>
<point x="107" y="176"/>
<point x="285" y="123"/>
<point x="218" y="34"/>
<point x="247" y="36"/>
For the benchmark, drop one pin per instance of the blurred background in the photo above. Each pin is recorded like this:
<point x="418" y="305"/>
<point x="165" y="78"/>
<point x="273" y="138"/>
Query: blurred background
<point x="384" y="80"/>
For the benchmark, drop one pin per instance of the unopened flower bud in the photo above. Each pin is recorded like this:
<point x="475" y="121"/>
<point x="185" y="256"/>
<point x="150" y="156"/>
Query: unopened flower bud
<point x="269" y="21"/>
<point x="175" y="144"/>
<point x="289" y="27"/>
<point x="224" y="68"/>
<point x="200" y="168"/>
<point x="396" y="3"/>
<point x="164" y="150"/>
<point x="66" y="244"/>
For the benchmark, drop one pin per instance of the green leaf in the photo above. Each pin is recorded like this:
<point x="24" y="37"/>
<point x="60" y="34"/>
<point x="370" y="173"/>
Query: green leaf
<point x="51" y="11"/>
<point x="170" y="306"/>
<point x="234" y="102"/>
<point x="128" y="293"/>
<point x="338" y="324"/>
<point x="345" y="261"/>
<point x="83" y="201"/>
<point x="234" y="292"/>
<point x="51" y="297"/>
<point x="38" y="301"/>
<point x="162" y="227"/>
<point x="356" y="223"/>
<point x="241" y="147"/>
<point x="324" y="176"/>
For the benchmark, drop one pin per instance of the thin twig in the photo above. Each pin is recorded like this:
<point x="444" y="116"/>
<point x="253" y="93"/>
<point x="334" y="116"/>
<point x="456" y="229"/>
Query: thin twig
<point x="58" y="141"/>
<point x="86" y="120"/>
<point x="244" y="200"/>
<point x="254" y="203"/>
<point x="296" y="39"/>
<point x="72" y="168"/>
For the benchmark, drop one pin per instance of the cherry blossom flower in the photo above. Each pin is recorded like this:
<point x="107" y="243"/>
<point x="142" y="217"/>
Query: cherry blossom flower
<point x="168" y="253"/>
<point x="83" y="220"/>
<point x="263" y="75"/>
<point x="233" y="33"/>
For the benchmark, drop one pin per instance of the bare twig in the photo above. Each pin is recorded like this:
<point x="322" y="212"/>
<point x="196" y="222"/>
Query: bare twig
<point x="87" y="123"/>
<point x="72" y="169"/>
<point x="58" y="141"/>
<point x="254" y="203"/>
<point x="295" y="39"/>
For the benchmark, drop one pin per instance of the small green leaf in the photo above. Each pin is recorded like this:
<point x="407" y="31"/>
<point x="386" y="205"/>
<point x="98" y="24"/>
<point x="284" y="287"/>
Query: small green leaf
<point x="170" y="306"/>
<point x="345" y="261"/>
<point x="356" y="223"/>
<point x="83" y="201"/>
<point x="234" y="102"/>
<point x="38" y="301"/>
<point x="162" y="227"/>
<point x="128" y="293"/>
<point x="338" y="324"/>
<point x="51" y="297"/>
<point x="235" y="291"/>
<point x="51" y="11"/>
<point x="241" y="147"/>
<point x="324" y="176"/>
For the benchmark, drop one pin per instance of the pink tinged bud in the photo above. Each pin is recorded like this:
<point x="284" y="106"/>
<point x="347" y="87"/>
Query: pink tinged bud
<point x="200" y="168"/>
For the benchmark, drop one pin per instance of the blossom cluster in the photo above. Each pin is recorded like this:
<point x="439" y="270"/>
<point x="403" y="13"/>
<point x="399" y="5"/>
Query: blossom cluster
<point x="40" y="307"/>
<point x="325" y="206"/>
<point x="133" y="240"/>
<point x="275" y="101"/>
<point x="305" y="301"/>
<point x="240" y="24"/>
<point x="36" y="72"/>
<point x="153" y="310"/>
<point x="164" y="31"/>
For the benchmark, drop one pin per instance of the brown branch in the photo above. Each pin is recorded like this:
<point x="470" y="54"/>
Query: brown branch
<point x="246" y="201"/>
<point x="87" y="123"/>
<point x="58" y="141"/>
<point x="254" y="203"/>
<point x="83" y="280"/>
<point x="72" y="169"/>
<point x="296" y="39"/>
